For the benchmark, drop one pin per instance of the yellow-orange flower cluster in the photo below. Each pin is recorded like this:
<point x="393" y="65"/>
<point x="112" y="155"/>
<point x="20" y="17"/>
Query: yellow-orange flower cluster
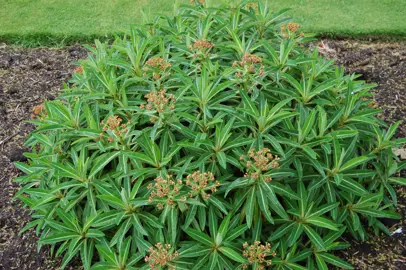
<point x="203" y="44"/>
<point x="252" y="5"/>
<point x="257" y="253"/>
<point x="114" y="124"/>
<point x="159" y="101"/>
<point x="159" y="66"/>
<point x="202" y="184"/>
<point x="158" y="62"/>
<point x="164" y="189"/>
<point x="249" y="60"/>
<point x="291" y="27"/>
<point x="38" y="110"/>
<point x="160" y="256"/>
<point x="260" y="161"/>
<point x="372" y="103"/>
<point x="78" y="70"/>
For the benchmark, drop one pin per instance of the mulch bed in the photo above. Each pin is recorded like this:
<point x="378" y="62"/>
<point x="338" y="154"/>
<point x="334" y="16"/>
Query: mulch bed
<point x="30" y="76"/>
<point x="27" y="78"/>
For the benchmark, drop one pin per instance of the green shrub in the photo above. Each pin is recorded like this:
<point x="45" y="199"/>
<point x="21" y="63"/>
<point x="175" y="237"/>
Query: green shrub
<point x="211" y="140"/>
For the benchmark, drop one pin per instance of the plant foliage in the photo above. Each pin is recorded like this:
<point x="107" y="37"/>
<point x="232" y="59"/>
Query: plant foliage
<point x="213" y="139"/>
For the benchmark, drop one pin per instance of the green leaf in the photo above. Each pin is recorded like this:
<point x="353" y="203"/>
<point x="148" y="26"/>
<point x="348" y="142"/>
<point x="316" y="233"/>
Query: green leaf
<point x="335" y="261"/>
<point x="314" y="237"/>
<point x="338" y="178"/>
<point x="66" y="171"/>
<point x="221" y="157"/>
<point x="321" y="263"/>
<point x="151" y="220"/>
<point x="249" y="206"/>
<point x="324" y="209"/>
<point x="275" y="144"/>
<point x="107" y="254"/>
<point x="263" y="204"/>
<point x="281" y="231"/>
<point x="199" y="236"/>
<point x="112" y="200"/>
<point x="252" y="110"/>
<point x="398" y="180"/>
<point x="218" y="204"/>
<point x="353" y="187"/>
<point x="193" y="251"/>
<point x="140" y="156"/>
<point x="58" y="237"/>
<point x="173" y="225"/>
<point x="213" y="260"/>
<point x="74" y="248"/>
<point x="202" y="262"/>
<point x="284" y="190"/>
<point x="137" y="225"/>
<point x="224" y="226"/>
<point x="274" y="202"/>
<point x="92" y="233"/>
<point x="86" y="253"/>
<point x="234" y="233"/>
<point x="233" y="255"/>
<point x="377" y="213"/>
<point x="68" y="219"/>
<point x="59" y="226"/>
<point x="354" y="162"/>
<point x="322" y="222"/>
<point x="307" y="127"/>
<point x="237" y="143"/>
<point x="103" y="160"/>
<point x="297" y="231"/>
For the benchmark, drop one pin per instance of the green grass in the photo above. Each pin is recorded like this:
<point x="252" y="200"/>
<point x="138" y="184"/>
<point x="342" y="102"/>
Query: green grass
<point x="58" y="22"/>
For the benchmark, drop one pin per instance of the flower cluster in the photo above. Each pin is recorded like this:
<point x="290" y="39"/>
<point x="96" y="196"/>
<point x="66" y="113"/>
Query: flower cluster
<point x="260" y="161"/>
<point x="252" y="5"/>
<point x="371" y="103"/>
<point x="249" y="60"/>
<point x="114" y="124"/>
<point x="38" y="110"/>
<point x="158" y="62"/>
<point x="202" y="184"/>
<point x="159" y="100"/>
<point x="203" y="44"/>
<point x="165" y="189"/>
<point x="160" y="256"/>
<point x="78" y="70"/>
<point x="291" y="27"/>
<point x="257" y="253"/>
<point x="159" y="66"/>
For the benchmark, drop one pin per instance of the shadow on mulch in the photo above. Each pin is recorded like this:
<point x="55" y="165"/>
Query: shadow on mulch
<point x="30" y="76"/>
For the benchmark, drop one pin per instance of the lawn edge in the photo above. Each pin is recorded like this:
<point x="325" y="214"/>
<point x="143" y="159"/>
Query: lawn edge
<point x="59" y="40"/>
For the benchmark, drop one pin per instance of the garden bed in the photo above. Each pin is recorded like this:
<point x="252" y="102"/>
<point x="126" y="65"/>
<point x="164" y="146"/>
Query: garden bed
<point x="30" y="76"/>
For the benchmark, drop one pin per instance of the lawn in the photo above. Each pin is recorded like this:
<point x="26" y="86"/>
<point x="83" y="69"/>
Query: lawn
<point x="30" y="20"/>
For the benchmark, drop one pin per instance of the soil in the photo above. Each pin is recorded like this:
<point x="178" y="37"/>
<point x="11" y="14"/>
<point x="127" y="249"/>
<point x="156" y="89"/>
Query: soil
<point x="30" y="76"/>
<point x="384" y="64"/>
<point x="27" y="78"/>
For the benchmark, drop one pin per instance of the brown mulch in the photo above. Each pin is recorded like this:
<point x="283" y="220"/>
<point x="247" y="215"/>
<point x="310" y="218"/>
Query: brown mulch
<point x="30" y="76"/>
<point x="27" y="78"/>
<point x="384" y="64"/>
